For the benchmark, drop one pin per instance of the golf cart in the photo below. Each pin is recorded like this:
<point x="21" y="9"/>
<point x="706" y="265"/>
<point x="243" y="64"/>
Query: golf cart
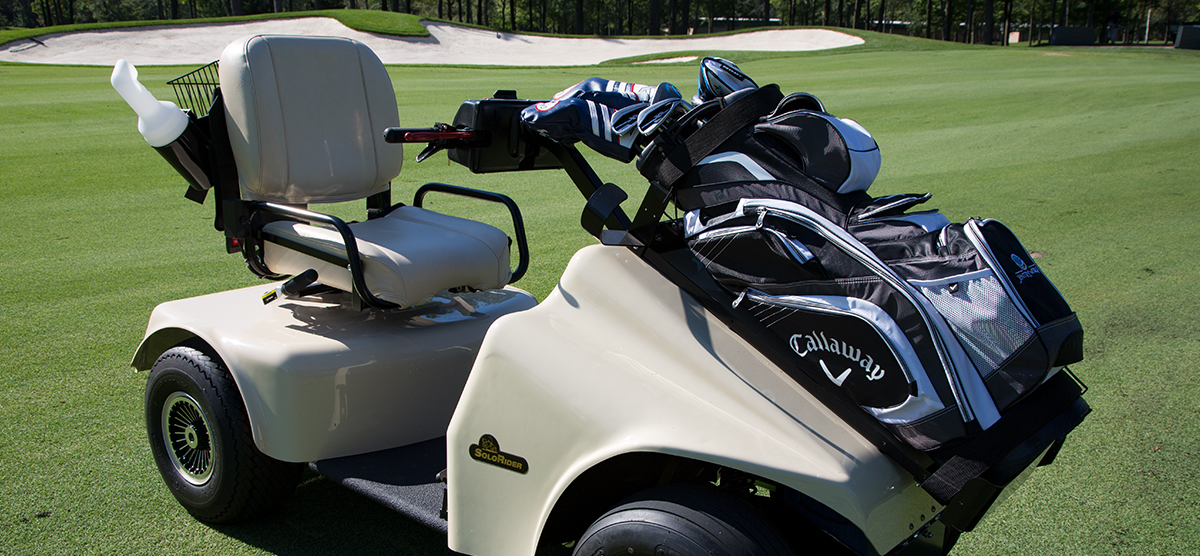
<point x="635" y="409"/>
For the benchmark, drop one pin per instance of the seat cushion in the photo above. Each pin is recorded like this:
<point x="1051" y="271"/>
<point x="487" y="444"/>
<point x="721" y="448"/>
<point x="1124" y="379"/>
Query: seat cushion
<point x="408" y="256"/>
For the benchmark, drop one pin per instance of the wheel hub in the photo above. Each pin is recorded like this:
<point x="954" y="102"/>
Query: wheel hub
<point x="185" y="432"/>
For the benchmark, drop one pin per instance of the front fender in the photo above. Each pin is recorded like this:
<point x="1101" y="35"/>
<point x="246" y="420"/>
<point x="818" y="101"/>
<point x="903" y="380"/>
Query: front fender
<point x="175" y="322"/>
<point x="321" y="380"/>
<point x="619" y="360"/>
<point x="219" y="321"/>
<point x="156" y="342"/>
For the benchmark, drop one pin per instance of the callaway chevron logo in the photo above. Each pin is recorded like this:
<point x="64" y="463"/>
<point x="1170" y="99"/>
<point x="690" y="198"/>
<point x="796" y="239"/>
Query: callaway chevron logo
<point x="816" y="343"/>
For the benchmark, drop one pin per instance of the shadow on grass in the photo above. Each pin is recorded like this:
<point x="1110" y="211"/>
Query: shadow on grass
<point x="324" y="518"/>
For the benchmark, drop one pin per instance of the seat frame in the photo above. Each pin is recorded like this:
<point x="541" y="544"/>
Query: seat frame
<point x="243" y="220"/>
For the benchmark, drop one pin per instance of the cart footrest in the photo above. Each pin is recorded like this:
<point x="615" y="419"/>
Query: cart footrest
<point x="403" y="479"/>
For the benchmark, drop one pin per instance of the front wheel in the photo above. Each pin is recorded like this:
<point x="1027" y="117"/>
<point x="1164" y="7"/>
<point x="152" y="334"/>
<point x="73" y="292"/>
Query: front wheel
<point x="202" y="444"/>
<point x="683" y="519"/>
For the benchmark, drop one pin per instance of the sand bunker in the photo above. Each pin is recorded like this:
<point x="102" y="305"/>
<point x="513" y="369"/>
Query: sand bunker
<point x="447" y="44"/>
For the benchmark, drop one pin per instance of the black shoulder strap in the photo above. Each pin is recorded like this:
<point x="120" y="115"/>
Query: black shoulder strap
<point x="674" y="164"/>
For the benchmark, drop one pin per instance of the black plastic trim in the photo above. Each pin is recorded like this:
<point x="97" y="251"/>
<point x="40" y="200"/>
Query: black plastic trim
<point x="599" y="207"/>
<point x="585" y="179"/>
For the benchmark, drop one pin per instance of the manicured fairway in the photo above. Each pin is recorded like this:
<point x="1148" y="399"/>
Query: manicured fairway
<point x="1092" y="156"/>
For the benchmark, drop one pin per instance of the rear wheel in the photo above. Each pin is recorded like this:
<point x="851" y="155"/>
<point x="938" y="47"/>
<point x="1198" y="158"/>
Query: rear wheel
<point x="682" y="519"/>
<point x="202" y="444"/>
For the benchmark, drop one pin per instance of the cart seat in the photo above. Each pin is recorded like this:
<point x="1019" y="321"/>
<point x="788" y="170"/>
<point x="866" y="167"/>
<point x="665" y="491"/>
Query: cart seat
<point x="408" y="256"/>
<point x="306" y="117"/>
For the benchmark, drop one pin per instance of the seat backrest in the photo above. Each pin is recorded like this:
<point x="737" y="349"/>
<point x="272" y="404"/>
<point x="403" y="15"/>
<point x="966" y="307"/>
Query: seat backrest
<point x="306" y="117"/>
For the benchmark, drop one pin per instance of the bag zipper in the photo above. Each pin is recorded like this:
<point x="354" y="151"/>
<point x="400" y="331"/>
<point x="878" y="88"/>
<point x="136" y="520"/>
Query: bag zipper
<point x="796" y="249"/>
<point x="716" y="234"/>
<point x="849" y="281"/>
<point x="905" y="201"/>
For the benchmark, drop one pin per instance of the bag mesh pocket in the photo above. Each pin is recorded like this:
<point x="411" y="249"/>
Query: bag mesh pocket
<point x="985" y="320"/>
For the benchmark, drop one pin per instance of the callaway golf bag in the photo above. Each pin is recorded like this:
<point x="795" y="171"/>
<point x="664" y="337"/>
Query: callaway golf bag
<point x="935" y="329"/>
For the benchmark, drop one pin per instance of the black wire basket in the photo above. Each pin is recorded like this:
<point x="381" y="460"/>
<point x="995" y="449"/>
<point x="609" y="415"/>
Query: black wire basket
<point x="194" y="90"/>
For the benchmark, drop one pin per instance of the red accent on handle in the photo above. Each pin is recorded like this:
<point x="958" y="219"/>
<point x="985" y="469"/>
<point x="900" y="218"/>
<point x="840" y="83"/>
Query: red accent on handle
<point x="427" y="136"/>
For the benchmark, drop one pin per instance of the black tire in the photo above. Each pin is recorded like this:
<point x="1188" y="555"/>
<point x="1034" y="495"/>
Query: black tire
<point x="201" y="441"/>
<point x="682" y="519"/>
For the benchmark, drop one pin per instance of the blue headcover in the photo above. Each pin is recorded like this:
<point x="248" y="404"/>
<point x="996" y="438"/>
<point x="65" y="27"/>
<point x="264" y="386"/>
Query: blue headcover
<point x="585" y="111"/>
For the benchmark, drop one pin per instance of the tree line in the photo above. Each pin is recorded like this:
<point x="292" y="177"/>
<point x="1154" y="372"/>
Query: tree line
<point x="973" y="21"/>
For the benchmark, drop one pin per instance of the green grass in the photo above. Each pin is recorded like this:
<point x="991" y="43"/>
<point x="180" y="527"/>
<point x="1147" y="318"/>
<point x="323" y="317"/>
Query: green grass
<point x="1092" y="158"/>
<point x="384" y="23"/>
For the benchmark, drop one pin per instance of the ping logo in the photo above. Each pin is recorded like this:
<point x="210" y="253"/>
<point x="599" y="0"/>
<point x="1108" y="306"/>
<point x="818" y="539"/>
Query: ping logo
<point x="488" y="451"/>
<point x="1024" y="270"/>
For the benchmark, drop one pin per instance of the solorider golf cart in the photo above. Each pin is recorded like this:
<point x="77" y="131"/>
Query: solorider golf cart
<point x="640" y="409"/>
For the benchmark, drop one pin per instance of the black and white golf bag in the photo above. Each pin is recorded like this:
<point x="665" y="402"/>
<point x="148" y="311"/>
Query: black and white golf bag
<point x="935" y="329"/>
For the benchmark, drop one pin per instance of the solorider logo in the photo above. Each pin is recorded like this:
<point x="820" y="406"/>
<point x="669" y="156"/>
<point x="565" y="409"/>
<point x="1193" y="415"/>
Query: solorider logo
<point x="488" y="451"/>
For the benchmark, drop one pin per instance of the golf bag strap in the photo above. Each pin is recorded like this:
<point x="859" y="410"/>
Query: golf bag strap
<point x="224" y="169"/>
<point x="671" y="167"/>
<point x="973" y="459"/>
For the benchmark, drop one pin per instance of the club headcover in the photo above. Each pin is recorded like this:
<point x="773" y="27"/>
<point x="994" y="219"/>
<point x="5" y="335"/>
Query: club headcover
<point x="719" y="77"/>
<point x="587" y="117"/>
